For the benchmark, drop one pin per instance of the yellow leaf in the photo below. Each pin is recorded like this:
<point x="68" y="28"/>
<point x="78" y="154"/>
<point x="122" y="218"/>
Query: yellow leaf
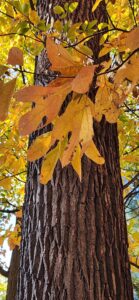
<point x="1" y="240"/>
<point x="15" y="57"/>
<point x="6" y="183"/>
<point x="112" y="114"/>
<point x="69" y="151"/>
<point x="92" y="153"/>
<point x="76" y="161"/>
<point x="19" y="214"/>
<point x="49" y="164"/>
<point x="5" y="96"/>
<point x="39" y="147"/>
<point x="33" y="16"/>
<point x="96" y="5"/>
<point x="86" y="130"/>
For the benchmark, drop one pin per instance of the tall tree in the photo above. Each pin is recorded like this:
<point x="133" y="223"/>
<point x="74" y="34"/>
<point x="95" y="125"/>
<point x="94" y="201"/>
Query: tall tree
<point x="74" y="238"/>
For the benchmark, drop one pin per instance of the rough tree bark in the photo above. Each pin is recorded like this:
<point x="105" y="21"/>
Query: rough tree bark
<point x="74" y="239"/>
<point x="12" y="275"/>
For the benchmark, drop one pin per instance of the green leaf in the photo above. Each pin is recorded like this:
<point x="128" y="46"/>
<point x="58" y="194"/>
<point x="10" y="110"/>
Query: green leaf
<point x="58" y="26"/>
<point x="102" y="26"/>
<point x="92" y="24"/>
<point x="96" y="5"/>
<point x="58" y="10"/>
<point x="72" y="7"/>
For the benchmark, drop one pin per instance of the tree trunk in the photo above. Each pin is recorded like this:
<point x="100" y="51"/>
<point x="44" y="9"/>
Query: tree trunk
<point x="74" y="239"/>
<point x="12" y="276"/>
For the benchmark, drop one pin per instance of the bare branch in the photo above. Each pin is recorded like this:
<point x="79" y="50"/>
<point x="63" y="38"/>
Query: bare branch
<point x="9" y="211"/>
<point x="134" y="265"/>
<point x="4" y="272"/>
<point x="131" y="181"/>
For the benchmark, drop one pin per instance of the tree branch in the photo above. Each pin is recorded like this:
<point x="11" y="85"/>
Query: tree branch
<point x="131" y="181"/>
<point x="31" y="4"/>
<point x="24" y="35"/>
<point x="119" y="66"/>
<point x="9" y="211"/>
<point x="95" y="34"/>
<point x="2" y="12"/>
<point x="134" y="264"/>
<point x="4" y="272"/>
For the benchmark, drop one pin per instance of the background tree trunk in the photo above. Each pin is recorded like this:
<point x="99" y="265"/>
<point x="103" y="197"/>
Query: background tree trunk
<point x="12" y="276"/>
<point x="74" y="238"/>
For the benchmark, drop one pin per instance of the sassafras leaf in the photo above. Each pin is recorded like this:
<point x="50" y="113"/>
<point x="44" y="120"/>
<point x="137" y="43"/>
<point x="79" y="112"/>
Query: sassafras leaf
<point x="82" y="81"/>
<point x="15" y="57"/>
<point x="97" y="2"/>
<point x="5" y="97"/>
<point x="76" y="161"/>
<point x="92" y="153"/>
<point x="39" y="147"/>
<point x="49" y="164"/>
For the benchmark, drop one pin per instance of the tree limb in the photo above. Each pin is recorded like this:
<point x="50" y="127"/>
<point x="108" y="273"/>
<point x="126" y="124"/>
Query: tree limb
<point x="4" y="272"/>
<point x="9" y="211"/>
<point x="131" y="181"/>
<point x="134" y="264"/>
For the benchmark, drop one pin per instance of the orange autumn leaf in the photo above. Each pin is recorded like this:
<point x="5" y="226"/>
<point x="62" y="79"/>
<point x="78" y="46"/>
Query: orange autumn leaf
<point x="5" y="97"/>
<point x="15" y="57"/>
<point x="61" y="60"/>
<point x="82" y="81"/>
<point x="48" y="107"/>
<point x="38" y="93"/>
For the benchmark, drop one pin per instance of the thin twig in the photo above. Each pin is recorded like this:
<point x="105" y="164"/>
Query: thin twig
<point x="9" y="211"/>
<point x="21" y="34"/>
<point x="131" y="181"/>
<point x="2" y="12"/>
<point x="119" y="66"/>
<point x="134" y="265"/>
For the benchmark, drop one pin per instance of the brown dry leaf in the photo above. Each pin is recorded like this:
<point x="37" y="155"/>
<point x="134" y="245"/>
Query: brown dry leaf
<point x="15" y="57"/>
<point x="5" y="97"/>
<point x="82" y="81"/>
